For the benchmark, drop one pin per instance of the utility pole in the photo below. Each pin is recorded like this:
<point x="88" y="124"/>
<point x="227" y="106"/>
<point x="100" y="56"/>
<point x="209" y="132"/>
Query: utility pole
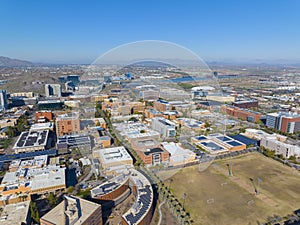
<point x="171" y="180"/>
<point x="230" y="169"/>
<point x="184" y="197"/>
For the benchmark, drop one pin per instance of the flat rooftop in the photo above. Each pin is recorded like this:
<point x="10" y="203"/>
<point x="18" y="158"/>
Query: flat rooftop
<point x="190" y="122"/>
<point x="226" y="140"/>
<point x="74" y="140"/>
<point x="41" y="126"/>
<point x="200" y="138"/>
<point x="115" y="154"/>
<point x="49" y="101"/>
<point x="68" y="116"/>
<point x="35" y="178"/>
<point x="211" y="146"/>
<point x="70" y="209"/>
<point x="133" y="130"/>
<point x="178" y="154"/>
<point x="164" y="121"/>
<point x="153" y="151"/>
<point x="15" y="213"/>
<point x="32" y="139"/>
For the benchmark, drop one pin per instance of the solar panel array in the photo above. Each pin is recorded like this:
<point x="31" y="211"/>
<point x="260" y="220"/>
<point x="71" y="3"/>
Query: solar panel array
<point x="141" y="206"/>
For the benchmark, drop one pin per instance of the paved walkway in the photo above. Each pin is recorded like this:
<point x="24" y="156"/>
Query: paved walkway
<point x="159" y="210"/>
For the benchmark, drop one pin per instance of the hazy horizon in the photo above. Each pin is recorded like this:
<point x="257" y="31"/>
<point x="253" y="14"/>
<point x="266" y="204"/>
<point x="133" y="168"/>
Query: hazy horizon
<point x="60" y="32"/>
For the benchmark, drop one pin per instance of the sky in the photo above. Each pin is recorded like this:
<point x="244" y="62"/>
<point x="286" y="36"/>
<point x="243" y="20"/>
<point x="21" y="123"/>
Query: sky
<point x="80" y="31"/>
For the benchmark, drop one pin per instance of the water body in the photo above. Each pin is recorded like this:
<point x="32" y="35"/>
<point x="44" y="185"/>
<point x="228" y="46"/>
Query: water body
<point x="191" y="79"/>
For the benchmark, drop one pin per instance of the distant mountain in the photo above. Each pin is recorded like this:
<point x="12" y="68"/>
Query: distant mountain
<point x="8" y="62"/>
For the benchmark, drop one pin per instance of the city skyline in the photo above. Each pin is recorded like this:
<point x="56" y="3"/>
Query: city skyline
<point x="216" y="31"/>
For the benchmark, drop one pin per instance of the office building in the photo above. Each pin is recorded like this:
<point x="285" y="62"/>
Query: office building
<point x="50" y="105"/>
<point x="135" y="131"/>
<point x="64" y="143"/>
<point x="53" y="90"/>
<point x="43" y="116"/>
<point x="178" y="155"/>
<point x="75" y="211"/>
<point x="190" y="123"/>
<point x="114" y="160"/>
<point x="220" y="98"/>
<point x="29" y="94"/>
<point x="149" y="95"/>
<point x="67" y="124"/>
<point x="42" y="126"/>
<point x="201" y="91"/>
<point x="75" y="79"/>
<point x="16" y="214"/>
<point x="32" y="180"/>
<point x="284" y="121"/>
<point x="246" y="104"/>
<point x="154" y="156"/>
<point x="280" y="148"/>
<point x="244" y="114"/>
<point x="162" y="106"/>
<point x="165" y="127"/>
<point x="31" y="141"/>
<point x="3" y="100"/>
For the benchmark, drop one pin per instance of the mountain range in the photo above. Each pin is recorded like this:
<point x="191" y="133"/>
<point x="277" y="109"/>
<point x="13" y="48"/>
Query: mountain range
<point x="9" y="62"/>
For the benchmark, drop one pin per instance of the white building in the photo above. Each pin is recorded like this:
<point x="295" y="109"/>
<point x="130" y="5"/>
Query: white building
<point x="280" y="148"/>
<point x="53" y="90"/>
<point x="114" y="160"/>
<point x="165" y="127"/>
<point x="18" y="213"/>
<point x="3" y="100"/>
<point x="179" y="155"/>
<point x="274" y="142"/>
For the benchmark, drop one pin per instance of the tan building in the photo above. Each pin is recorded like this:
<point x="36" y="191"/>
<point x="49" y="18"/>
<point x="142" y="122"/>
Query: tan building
<point x="67" y="124"/>
<point x="32" y="180"/>
<point x="162" y="106"/>
<point x="98" y="98"/>
<point x="16" y="214"/>
<point x="100" y="122"/>
<point x="22" y="94"/>
<point x="220" y="98"/>
<point x="75" y="211"/>
<point x="113" y="160"/>
<point x="9" y="122"/>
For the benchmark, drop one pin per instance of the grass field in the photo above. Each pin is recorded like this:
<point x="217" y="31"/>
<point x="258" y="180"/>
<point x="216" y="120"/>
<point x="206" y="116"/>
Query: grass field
<point x="215" y="198"/>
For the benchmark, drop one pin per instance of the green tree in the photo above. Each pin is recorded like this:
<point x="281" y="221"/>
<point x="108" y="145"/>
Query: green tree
<point x="11" y="131"/>
<point x="70" y="189"/>
<point x="133" y="119"/>
<point x="34" y="212"/>
<point x="52" y="199"/>
<point x="207" y="124"/>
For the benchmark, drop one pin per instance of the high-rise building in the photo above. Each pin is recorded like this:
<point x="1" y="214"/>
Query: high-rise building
<point x="3" y="100"/>
<point x="53" y="90"/>
<point x="283" y="121"/>
<point x="67" y="124"/>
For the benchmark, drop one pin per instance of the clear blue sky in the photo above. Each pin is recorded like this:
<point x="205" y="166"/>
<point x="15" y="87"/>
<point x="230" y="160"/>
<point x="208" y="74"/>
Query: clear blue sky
<point x="80" y="31"/>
